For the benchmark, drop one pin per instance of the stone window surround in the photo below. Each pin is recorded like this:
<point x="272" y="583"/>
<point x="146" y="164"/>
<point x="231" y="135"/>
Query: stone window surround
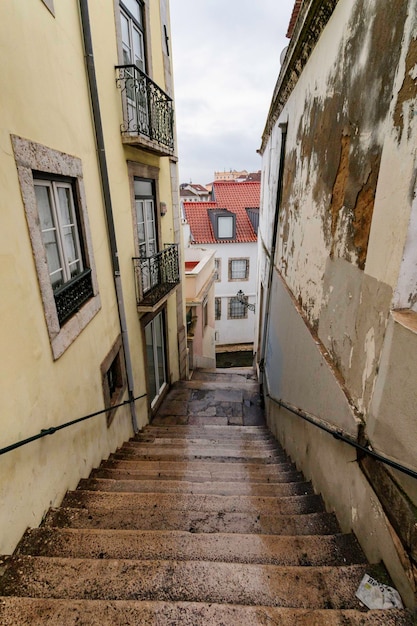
<point x="31" y="156"/>
<point x="115" y="351"/>
<point x="234" y="317"/>
<point x="231" y="279"/>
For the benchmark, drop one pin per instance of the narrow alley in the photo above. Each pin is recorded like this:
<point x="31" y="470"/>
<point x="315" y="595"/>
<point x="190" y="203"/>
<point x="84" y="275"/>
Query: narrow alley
<point x="200" y="519"/>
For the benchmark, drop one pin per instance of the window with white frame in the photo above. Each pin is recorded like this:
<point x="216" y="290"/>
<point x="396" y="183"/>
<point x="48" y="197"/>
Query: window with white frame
<point x="52" y="188"/>
<point x="238" y="269"/>
<point x="133" y="35"/>
<point x="223" y="223"/>
<point x="237" y="309"/>
<point x="60" y="231"/>
<point x="217" y="270"/>
<point x="217" y="308"/>
<point x="225" y="227"/>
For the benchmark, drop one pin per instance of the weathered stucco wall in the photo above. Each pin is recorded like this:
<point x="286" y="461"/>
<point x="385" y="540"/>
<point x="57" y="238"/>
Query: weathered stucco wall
<point x="346" y="252"/>
<point x="345" y="135"/>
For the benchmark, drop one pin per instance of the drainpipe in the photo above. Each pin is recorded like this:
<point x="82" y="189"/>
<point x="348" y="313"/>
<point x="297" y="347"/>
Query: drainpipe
<point x="283" y="128"/>
<point x="91" y="72"/>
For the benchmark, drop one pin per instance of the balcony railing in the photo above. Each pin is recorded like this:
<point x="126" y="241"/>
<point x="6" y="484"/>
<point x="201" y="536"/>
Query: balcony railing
<point x="72" y="295"/>
<point x="156" y="276"/>
<point x="147" y="110"/>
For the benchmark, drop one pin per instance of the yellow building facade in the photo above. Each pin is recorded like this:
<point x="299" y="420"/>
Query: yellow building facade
<point x="91" y="307"/>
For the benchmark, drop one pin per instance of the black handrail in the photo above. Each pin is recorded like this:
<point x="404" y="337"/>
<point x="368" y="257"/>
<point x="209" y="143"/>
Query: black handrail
<point x="340" y="435"/>
<point x="53" y="429"/>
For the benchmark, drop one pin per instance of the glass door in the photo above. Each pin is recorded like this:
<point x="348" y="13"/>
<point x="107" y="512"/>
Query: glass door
<point x="146" y="232"/>
<point x="133" y="45"/>
<point x="156" y="357"/>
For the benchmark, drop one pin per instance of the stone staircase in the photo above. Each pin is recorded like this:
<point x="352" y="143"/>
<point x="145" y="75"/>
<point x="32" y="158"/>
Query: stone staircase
<point x="201" y="519"/>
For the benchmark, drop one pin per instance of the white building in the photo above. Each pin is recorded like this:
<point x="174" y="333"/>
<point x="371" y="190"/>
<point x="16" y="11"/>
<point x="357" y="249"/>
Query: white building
<point x="229" y="226"/>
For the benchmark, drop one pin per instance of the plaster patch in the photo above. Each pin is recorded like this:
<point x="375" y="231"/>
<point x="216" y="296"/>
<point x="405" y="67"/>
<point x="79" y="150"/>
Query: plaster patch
<point x="369" y="357"/>
<point x="408" y="90"/>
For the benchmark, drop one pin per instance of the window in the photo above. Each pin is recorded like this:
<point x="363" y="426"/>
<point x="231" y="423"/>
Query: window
<point x="60" y="233"/>
<point x="205" y="313"/>
<point x="52" y="189"/>
<point x="223" y="223"/>
<point x="145" y="217"/>
<point x="113" y="378"/>
<point x="236" y="309"/>
<point x="133" y="37"/>
<point x="156" y="357"/>
<point x="238" y="269"/>
<point x="225" y="227"/>
<point x="217" y="270"/>
<point x="217" y="308"/>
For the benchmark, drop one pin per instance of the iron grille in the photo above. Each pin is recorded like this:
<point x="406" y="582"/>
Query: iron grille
<point x="70" y="297"/>
<point x="156" y="275"/>
<point x="147" y="110"/>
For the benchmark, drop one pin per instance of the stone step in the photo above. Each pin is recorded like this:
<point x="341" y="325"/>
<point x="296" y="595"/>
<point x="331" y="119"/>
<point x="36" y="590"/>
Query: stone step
<point x="34" y="611"/>
<point x="197" y="581"/>
<point x="193" y="521"/>
<point x="210" y="488"/>
<point x="233" y="444"/>
<point x="213" y="385"/>
<point x="309" y="550"/>
<point x="211" y="466"/>
<point x="130" y="470"/>
<point x="251" y="433"/>
<point x="203" y="453"/>
<point x="245" y="371"/>
<point x="290" y="505"/>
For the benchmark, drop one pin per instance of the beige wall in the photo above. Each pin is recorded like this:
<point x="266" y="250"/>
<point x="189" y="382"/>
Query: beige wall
<point x="45" y="99"/>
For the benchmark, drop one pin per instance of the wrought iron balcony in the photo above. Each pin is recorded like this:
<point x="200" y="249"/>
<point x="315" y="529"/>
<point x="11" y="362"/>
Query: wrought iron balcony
<point x="156" y="276"/>
<point x="72" y="295"/>
<point x="148" y="115"/>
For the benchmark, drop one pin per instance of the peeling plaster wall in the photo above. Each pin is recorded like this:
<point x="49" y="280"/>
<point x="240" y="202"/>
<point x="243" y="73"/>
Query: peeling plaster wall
<point x="346" y="251"/>
<point x="341" y="114"/>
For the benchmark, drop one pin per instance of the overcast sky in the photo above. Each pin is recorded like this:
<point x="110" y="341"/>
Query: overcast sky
<point x="226" y="62"/>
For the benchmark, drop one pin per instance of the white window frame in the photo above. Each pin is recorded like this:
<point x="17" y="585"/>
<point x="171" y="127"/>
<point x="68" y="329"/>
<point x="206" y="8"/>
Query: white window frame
<point x="58" y="229"/>
<point x="225" y="227"/>
<point x="133" y="25"/>
<point x="33" y="157"/>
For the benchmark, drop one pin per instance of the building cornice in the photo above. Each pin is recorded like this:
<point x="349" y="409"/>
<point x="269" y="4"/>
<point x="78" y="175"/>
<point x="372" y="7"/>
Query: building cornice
<point x="311" y="21"/>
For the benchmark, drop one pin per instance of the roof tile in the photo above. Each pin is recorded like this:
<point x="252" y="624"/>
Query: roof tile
<point x="235" y="197"/>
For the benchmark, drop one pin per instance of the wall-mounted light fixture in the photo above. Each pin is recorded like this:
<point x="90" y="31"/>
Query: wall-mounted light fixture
<point x="240" y="297"/>
<point x="163" y="208"/>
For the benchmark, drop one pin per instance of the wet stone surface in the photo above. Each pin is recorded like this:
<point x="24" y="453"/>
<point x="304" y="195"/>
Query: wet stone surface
<point x="202" y="401"/>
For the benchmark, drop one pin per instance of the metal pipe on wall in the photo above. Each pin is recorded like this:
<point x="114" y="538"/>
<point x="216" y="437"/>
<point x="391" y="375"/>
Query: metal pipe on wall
<point x="92" y="81"/>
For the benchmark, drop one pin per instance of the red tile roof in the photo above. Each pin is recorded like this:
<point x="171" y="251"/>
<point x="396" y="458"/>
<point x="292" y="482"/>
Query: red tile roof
<point x="294" y="16"/>
<point x="235" y="197"/>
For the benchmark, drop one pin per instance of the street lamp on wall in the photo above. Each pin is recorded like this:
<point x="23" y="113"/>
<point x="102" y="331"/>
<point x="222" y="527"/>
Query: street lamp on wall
<point x="240" y="297"/>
